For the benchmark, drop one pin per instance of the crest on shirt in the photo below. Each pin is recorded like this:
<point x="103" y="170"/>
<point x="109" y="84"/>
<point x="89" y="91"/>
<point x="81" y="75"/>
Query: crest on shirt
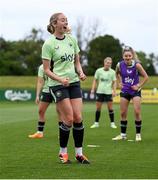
<point x="56" y="47"/>
<point x="129" y="71"/>
<point x="70" y="44"/>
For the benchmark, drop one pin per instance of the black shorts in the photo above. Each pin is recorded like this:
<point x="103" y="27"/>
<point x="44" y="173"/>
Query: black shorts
<point x="104" y="97"/>
<point x="129" y="96"/>
<point x="46" y="97"/>
<point x="61" y="92"/>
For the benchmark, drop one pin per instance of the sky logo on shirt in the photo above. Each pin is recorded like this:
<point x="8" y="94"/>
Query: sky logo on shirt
<point x="103" y="80"/>
<point x="129" y="80"/>
<point x="67" y="57"/>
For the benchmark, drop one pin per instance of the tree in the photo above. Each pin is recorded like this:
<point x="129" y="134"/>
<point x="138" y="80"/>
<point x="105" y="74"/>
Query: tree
<point x="154" y="60"/>
<point x="100" y="48"/>
<point x="85" y="33"/>
<point x="147" y="62"/>
<point x="21" y="57"/>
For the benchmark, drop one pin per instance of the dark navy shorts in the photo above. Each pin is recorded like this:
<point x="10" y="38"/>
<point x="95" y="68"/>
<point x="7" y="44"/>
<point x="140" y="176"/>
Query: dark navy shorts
<point x="46" y="97"/>
<point x="129" y="96"/>
<point x="103" y="97"/>
<point x="61" y="92"/>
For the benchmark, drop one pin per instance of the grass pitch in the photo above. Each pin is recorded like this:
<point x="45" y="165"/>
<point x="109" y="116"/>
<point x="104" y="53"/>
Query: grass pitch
<point x="24" y="158"/>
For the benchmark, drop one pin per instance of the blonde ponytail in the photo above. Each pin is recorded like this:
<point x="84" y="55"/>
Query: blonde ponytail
<point x="52" y="22"/>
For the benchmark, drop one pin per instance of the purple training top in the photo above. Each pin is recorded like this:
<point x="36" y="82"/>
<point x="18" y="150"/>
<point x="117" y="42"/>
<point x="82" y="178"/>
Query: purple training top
<point x="130" y="77"/>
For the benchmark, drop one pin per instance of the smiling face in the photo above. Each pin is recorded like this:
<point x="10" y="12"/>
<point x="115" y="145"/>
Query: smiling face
<point x="61" y="25"/>
<point x="127" y="56"/>
<point x="107" y="63"/>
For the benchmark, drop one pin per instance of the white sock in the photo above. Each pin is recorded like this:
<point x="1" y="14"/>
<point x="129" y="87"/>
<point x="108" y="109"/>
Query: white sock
<point x="78" y="151"/>
<point x="123" y="134"/>
<point x="40" y="132"/>
<point x="63" y="150"/>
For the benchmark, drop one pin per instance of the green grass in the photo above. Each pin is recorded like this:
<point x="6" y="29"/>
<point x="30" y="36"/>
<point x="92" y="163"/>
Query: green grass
<point x="24" y="158"/>
<point x="29" y="82"/>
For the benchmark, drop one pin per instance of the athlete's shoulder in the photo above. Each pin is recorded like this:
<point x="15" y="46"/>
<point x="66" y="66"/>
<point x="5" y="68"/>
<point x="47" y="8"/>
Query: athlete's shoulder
<point x="50" y="39"/>
<point x="137" y="61"/>
<point x="112" y="70"/>
<point x="119" y="62"/>
<point x="71" y="37"/>
<point x="40" y="71"/>
<point x="40" y="67"/>
<point x="138" y="64"/>
<point x="100" y="69"/>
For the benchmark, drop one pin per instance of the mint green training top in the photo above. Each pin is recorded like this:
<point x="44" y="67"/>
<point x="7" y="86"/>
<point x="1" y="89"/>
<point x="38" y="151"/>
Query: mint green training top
<point x="104" y="79"/>
<point x="45" y="77"/>
<point x="62" y="52"/>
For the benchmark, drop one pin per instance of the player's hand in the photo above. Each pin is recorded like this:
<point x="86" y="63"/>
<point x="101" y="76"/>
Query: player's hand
<point x="65" y="81"/>
<point x="82" y="76"/>
<point x="136" y="87"/>
<point x="120" y="85"/>
<point x="114" y="93"/>
<point x="92" y="95"/>
<point x="37" y="100"/>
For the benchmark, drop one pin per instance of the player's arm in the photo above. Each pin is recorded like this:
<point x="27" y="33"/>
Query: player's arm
<point x="114" y="85"/>
<point x="118" y="76"/>
<point x="94" y="85"/>
<point x="93" y="89"/>
<point x="50" y="74"/>
<point x="143" y="74"/>
<point x="39" y="86"/>
<point x="78" y="67"/>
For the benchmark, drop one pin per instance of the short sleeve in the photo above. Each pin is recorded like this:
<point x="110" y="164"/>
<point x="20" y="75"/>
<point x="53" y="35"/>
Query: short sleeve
<point x="77" y="50"/>
<point x="114" y="76"/>
<point x="96" y="75"/>
<point x="75" y="43"/>
<point x="40" y="72"/>
<point x="47" y="51"/>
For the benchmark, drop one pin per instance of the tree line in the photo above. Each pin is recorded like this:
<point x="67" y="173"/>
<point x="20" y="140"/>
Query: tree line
<point x="23" y="57"/>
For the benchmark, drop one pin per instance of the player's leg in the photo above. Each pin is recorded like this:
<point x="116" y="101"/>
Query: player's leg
<point x="99" y="102"/>
<point x="65" y="109"/>
<point x="137" y="113"/>
<point x="111" y="111"/>
<point x="78" y="130"/>
<point x="45" y="100"/>
<point x="59" y="116"/>
<point x="41" y="122"/>
<point x="97" y="114"/>
<point x="124" y="102"/>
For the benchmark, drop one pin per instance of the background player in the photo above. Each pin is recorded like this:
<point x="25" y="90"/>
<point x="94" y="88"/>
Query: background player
<point x="105" y="81"/>
<point x="128" y="71"/>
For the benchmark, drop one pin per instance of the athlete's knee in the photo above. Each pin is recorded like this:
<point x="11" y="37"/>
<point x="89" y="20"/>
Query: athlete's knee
<point x="77" y="117"/>
<point x="137" y="112"/>
<point x="98" y="108"/>
<point x="68" y="119"/>
<point x="123" y="113"/>
<point x="41" y="112"/>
